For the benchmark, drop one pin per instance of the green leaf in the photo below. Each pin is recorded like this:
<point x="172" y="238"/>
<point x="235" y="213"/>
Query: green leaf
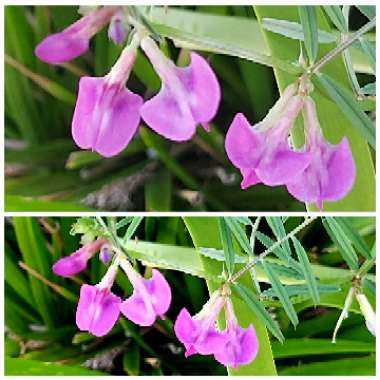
<point x="228" y="249"/>
<point x="36" y="255"/>
<point x="311" y="282"/>
<point x="336" y="16"/>
<point x="23" y="367"/>
<point x="166" y="256"/>
<point x="308" y="17"/>
<point x="16" y="278"/>
<point x="132" y="227"/>
<point x="123" y="222"/>
<point x="131" y="360"/>
<point x="158" y="191"/>
<point x="350" y="107"/>
<point x="239" y="233"/>
<point x="51" y="87"/>
<point x="278" y="228"/>
<point x="257" y="307"/>
<point x="294" y="30"/>
<point x="341" y="241"/>
<point x="353" y="236"/>
<point x="281" y="294"/>
<point x="369" y="48"/>
<point x="232" y="36"/>
<point x="300" y="292"/>
<point x="364" y="366"/>
<point x="369" y="89"/>
<point x="20" y="203"/>
<point x="296" y="348"/>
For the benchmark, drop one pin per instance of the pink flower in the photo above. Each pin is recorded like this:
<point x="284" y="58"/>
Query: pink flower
<point x="98" y="308"/>
<point x="118" y="29"/>
<point x="150" y="298"/>
<point x="199" y="333"/>
<point x="106" y="115"/>
<point x="242" y="345"/>
<point x="331" y="173"/>
<point x="77" y="261"/>
<point x="188" y="95"/>
<point x="262" y="153"/>
<point x="74" y="40"/>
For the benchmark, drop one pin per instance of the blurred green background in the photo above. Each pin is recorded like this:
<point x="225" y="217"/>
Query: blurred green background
<point x="41" y="337"/>
<point x="45" y="171"/>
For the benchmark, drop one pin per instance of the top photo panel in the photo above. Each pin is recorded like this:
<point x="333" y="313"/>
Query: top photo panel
<point x="190" y="108"/>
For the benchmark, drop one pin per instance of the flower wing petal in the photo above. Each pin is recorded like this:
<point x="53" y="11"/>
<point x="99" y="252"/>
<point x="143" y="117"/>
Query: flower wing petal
<point x="166" y="116"/>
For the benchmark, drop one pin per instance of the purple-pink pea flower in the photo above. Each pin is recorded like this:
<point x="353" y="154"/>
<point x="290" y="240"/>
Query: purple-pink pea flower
<point x="118" y="28"/>
<point x="242" y="345"/>
<point x="77" y="261"/>
<point x="106" y="115"/>
<point x="74" y="40"/>
<point x="150" y="298"/>
<point x="198" y="333"/>
<point x="98" y="308"/>
<point x="331" y="173"/>
<point x="262" y="152"/>
<point x="188" y="96"/>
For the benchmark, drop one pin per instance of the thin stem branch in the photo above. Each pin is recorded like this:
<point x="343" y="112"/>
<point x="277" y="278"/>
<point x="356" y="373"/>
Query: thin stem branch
<point x="256" y="259"/>
<point x="343" y="46"/>
<point x="252" y="244"/>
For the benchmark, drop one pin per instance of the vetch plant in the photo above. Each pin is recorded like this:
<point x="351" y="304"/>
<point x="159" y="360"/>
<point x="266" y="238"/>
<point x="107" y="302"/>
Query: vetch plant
<point x="146" y="75"/>
<point x="268" y="279"/>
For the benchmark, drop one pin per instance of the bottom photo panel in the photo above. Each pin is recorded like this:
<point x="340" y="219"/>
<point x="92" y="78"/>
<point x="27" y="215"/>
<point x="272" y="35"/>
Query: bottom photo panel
<point x="135" y="295"/>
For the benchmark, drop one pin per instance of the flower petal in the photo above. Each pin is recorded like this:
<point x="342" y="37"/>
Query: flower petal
<point x="184" y="327"/>
<point x="250" y="178"/>
<point x="69" y="265"/>
<point x="211" y="342"/>
<point x="342" y="172"/>
<point x="203" y="88"/>
<point x="61" y="47"/>
<point x="243" y="144"/>
<point x="282" y="167"/>
<point x="166" y="116"/>
<point x="135" y="309"/>
<point x="105" y="119"/>
<point x="159" y="291"/>
<point x="241" y="348"/>
<point x="330" y="175"/>
<point x="97" y="311"/>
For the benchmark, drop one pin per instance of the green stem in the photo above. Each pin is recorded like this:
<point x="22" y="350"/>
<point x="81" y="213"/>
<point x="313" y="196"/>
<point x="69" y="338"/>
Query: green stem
<point x="343" y="46"/>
